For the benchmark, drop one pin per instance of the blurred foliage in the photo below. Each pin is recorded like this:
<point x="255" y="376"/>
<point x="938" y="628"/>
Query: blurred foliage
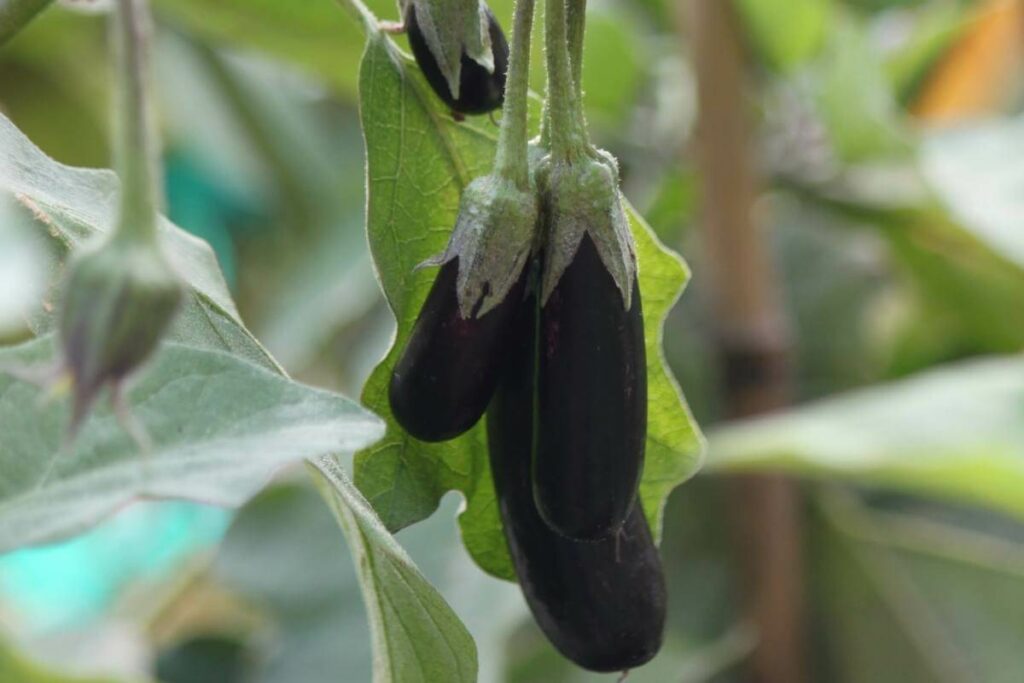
<point x="15" y="667"/>
<point x="900" y="251"/>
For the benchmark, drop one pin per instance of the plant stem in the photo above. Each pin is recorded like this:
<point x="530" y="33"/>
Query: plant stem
<point x="16" y="14"/>
<point x="511" y="160"/>
<point x="577" y="26"/>
<point x="566" y="141"/>
<point x="137" y="142"/>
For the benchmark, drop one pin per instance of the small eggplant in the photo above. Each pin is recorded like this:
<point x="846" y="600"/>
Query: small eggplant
<point x="446" y="375"/>
<point x="602" y="604"/>
<point x="592" y="401"/>
<point x="480" y="91"/>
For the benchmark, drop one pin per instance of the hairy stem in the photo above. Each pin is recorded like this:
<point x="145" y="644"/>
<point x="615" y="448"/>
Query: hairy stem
<point x="16" y="14"/>
<point x="577" y="26"/>
<point x="511" y="160"/>
<point x="564" y="127"/>
<point x="137" y="145"/>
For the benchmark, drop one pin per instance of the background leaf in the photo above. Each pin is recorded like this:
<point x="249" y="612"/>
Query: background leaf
<point x="786" y="33"/>
<point x="955" y="432"/>
<point x="914" y="597"/>
<point x="952" y="161"/>
<point x="418" y="160"/>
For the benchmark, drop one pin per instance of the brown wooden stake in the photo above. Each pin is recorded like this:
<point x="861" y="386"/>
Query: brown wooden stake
<point x="753" y="338"/>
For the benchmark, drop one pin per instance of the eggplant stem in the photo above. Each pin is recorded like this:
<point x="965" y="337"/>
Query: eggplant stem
<point x="511" y="160"/>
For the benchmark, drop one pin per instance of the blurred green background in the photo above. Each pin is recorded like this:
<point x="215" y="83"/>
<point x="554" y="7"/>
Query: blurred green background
<point x="888" y="141"/>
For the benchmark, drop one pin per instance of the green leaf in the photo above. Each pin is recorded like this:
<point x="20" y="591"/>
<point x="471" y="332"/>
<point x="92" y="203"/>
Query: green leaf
<point x="231" y="423"/>
<point x="954" y="160"/>
<point x="912" y="599"/>
<point x="961" y="283"/>
<point x="612" y="76"/>
<point x="855" y="98"/>
<point x="15" y="14"/>
<point x="955" y="432"/>
<point x="314" y="34"/>
<point x="418" y="160"/>
<point x="415" y="634"/>
<point x="785" y="32"/>
<point x="220" y="428"/>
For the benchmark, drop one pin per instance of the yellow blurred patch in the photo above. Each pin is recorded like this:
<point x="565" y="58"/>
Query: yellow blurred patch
<point x="976" y="76"/>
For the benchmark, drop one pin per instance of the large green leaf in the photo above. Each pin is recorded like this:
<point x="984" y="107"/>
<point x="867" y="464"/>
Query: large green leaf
<point x="956" y="432"/>
<point x="418" y="160"/>
<point x="220" y="427"/>
<point x="218" y="413"/>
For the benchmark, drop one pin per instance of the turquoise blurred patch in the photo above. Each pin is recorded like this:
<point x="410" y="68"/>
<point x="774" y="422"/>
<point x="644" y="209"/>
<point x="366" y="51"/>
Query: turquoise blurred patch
<point x="69" y="584"/>
<point x="208" y="207"/>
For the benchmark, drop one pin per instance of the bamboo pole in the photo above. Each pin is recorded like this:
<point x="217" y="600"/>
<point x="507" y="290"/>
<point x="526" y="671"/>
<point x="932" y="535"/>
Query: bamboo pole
<point x="753" y="339"/>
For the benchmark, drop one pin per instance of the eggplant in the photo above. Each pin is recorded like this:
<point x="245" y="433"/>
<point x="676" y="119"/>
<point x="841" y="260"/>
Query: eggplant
<point x="602" y="603"/>
<point x="592" y="401"/>
<point x="480" y="91"/>
<point x="446" y="375"/>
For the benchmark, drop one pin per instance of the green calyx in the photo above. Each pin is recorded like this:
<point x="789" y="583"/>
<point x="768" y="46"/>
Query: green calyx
<point x="492" y="240"/>
<point x="578" y="182"/>
<point x="497" y="224"/>
<point x="452" y="28"/>
<point x="583" y="199"/>
<point x="119" y="300"/>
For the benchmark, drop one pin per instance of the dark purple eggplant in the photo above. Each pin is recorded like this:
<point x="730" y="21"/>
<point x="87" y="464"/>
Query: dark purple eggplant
<point x="446" y="375"/>
<point x="592" y="401"/>
<point x="480" y="91"/>
<point x="601" y="603"/>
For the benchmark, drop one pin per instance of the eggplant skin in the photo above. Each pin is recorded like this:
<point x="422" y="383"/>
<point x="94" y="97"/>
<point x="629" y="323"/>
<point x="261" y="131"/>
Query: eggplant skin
<point x="480" y="91"/>
<point x="601" y="604"/>
<point x="447" y="372"/>
<point x="592" y="401"/>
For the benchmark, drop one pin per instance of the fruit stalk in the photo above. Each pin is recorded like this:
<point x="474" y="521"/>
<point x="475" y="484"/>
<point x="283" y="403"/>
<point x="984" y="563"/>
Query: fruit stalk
<point x="577" y="27"/>
<point x="511" y="160"/>
<point x="568" y="139"/>
<point x="136" y="149"/>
